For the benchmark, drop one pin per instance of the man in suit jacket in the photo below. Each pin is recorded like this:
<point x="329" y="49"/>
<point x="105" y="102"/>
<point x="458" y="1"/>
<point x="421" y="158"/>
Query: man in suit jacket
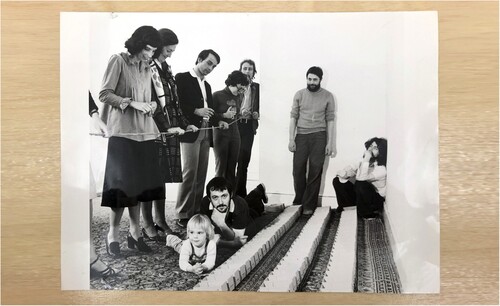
<point x="195" y="100"/>
<point x="247" y="125"/>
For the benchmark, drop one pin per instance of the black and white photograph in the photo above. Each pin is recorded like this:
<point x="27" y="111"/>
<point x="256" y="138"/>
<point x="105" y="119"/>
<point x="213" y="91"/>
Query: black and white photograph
<point x="264" y="152"/>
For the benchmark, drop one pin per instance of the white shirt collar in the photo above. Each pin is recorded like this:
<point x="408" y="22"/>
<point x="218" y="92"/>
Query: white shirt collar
<point x="193" y="73"/>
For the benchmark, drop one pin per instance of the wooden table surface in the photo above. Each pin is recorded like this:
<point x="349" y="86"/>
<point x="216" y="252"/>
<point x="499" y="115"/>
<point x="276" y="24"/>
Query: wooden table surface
<point x="468" y="127"/>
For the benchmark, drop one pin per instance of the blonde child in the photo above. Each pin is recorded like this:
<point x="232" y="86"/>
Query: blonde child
<point x="197" y="253"/>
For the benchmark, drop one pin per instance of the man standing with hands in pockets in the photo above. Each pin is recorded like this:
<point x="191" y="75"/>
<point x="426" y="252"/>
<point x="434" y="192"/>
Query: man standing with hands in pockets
<point x="195" y="100"/>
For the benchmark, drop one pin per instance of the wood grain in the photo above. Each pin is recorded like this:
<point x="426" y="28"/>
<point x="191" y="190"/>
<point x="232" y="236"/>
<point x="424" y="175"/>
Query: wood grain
<point x="468" y="126"/>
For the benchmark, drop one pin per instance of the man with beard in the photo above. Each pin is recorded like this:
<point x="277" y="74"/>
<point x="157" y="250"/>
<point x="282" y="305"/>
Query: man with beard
<point x="311" y="138"/>
<point x="232" y="217"/>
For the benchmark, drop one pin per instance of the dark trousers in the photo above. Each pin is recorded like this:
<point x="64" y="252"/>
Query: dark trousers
<point x="226" y="150"/>
<point x="362" y="194"/>
<point x="309" y="153"/>
<point x="246" y="142"/>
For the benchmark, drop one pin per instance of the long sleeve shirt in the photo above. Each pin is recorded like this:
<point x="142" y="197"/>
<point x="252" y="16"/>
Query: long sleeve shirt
<point x="312" y="110"/>
<point x="376" y="175"/>
<point x="186" y="251"/>
<point x="127" y="78"/>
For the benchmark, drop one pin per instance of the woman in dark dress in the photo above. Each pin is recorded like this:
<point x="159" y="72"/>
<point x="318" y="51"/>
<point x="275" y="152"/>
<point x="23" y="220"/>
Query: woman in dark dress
<point x="168" y="118"/>
<point x="132" y="173"/>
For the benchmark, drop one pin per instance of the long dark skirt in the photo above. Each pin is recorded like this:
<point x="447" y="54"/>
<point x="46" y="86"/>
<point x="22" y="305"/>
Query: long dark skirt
<point x="132" y="173"/>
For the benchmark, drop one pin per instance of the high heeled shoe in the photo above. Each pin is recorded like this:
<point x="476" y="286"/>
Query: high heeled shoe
<point x="166" y="231"/>
<point x="157" y="238"/>
<point x="139" y="243"/>
<point x="107" y="272"/>
<point x="113" y="248"/>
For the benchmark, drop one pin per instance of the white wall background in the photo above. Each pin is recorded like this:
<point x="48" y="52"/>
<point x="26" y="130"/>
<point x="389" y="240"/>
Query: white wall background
<point x="381" y="68"/>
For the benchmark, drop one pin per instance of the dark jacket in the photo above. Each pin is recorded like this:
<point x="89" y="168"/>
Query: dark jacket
<point x="190" y="98"/>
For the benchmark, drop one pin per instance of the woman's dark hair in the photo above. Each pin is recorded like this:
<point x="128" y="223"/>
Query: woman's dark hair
<point x="382" y="150"/>
<point x="205" y="53"/>
<point x="168" y="38"/>
<point x="143" y="36"/>
<point x="218" y="184"/>
<point x="237" y="77"/>
<point x="250" y="62"/>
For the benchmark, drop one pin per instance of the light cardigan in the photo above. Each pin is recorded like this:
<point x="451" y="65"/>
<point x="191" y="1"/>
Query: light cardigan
<point x="376" y="175"/>
<point x="127" y="78"/>
<point x="312" y="110"/>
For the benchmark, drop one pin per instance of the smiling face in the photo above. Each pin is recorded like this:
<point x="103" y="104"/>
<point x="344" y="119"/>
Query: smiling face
<point x="166" y="52"/>
<point x="146" y="54"/>
<point x="197" y="236"/>
<point x="220" y="200"/>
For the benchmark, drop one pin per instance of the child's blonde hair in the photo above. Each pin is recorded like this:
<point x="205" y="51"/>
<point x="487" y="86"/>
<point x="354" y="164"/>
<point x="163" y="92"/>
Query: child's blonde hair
<point x="202" y="221"/>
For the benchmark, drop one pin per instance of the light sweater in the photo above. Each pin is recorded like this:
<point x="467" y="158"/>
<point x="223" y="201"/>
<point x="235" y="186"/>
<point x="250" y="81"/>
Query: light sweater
<point x="127" y="78"/>
<point x="312" y="110"/>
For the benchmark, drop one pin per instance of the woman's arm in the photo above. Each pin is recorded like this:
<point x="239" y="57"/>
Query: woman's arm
<point x="110" y="81"/>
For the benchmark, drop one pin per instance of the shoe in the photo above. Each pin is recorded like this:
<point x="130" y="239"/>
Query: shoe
<point x="139" y="243"/>
<point x="262" y="188"/>
<point x="108" y="272"/>
<point x="182" y="222"/>
<point x="113" y="248"/>
<point x="157" y="238"/>
<point x="166" y="231"/>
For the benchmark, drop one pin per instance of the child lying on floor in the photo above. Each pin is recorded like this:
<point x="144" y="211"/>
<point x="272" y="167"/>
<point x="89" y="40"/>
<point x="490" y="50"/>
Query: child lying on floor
<point x="197" y="253"/>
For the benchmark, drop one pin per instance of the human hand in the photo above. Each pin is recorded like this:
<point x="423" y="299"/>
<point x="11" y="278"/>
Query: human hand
<point x="192" y="128"/>
<point x="197" y="268"/>
<point x="330" y="151"/>
<point x="291" y="146"/>
<point x="255" y="115"/>
<point x="367" y="155"/>
<point x="153" y="105"/>
<point x="242" y="239"/>
<point x="245" y="113"/>
<point x="176" y="130"/>
<point x="145" y="108"/>
<point x="230" y="113"/>
<point x="204" y="112"/>
<point x="99" y="125"/>
<point x="223" y="125"/>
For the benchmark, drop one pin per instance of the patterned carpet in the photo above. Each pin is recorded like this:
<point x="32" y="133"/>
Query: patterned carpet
<point x="377" y="272"/>
<point x="159" y="271"/>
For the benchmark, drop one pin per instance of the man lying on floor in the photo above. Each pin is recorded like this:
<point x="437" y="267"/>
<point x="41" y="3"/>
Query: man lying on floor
<point x="234" y="217"/>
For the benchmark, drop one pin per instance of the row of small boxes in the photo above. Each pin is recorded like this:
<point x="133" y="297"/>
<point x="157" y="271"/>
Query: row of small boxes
<point x="290" y="271"/>
<point x="341" y="268"/>
<point x="230" y="273"/>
